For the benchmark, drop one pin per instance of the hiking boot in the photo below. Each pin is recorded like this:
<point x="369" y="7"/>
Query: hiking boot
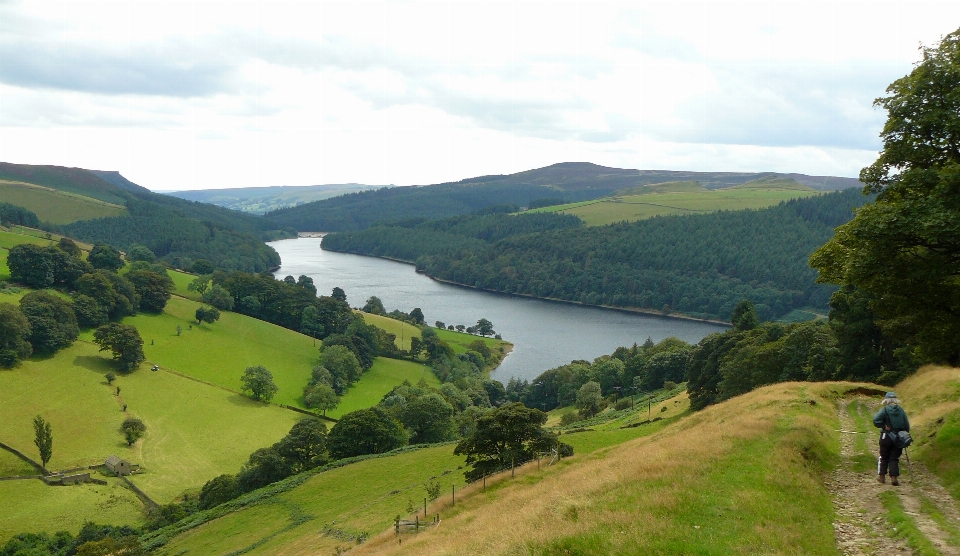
<point x="881" y="479"/>
<point x="894" y="481"/>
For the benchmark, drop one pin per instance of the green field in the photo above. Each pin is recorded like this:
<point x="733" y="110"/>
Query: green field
<point x="218" y="353"/>
<point x="12" y="466"/>
<point x="194" y="431"/>
<point x="403" y="330"/>
<point x="684" y="200"/>
<point x="41" y="508"/>
<point x="55" y="206"/>
<point x="361" y="497"/>
<point x="380" y="379"/>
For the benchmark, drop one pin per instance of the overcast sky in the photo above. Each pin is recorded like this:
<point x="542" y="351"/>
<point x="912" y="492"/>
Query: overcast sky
<point x="197" y="95"/>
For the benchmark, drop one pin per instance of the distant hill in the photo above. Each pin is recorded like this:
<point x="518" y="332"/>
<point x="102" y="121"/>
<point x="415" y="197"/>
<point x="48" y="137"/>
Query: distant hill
<point x="258" y="200"/>
<point x="102" y="206"/>
<point x="568" y="181"/>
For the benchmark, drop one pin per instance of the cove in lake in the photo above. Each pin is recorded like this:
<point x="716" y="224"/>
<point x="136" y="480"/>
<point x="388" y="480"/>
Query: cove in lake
<point x="545" y="334"/>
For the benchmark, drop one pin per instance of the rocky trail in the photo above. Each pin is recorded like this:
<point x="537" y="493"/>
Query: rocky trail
<point x="862" y="525"/>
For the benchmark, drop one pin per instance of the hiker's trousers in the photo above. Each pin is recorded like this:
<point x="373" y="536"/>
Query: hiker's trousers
<point x="889" y="456"/>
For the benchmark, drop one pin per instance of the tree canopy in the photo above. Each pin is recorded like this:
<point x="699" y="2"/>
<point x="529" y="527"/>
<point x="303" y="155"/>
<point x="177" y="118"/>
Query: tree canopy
<point x="259" y="382"/>
<point x="366" y="431"/>
<point x="904" y="248"/>
<point x="125" y="343"/>
<point x="510" y="434"/>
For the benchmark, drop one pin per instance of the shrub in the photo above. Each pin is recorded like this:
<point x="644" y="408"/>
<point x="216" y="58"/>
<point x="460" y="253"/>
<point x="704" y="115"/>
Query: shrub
<point x="569" y="416"/>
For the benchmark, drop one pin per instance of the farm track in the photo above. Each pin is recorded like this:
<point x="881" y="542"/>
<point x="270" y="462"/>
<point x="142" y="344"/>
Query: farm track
<point x="861" y="525"/>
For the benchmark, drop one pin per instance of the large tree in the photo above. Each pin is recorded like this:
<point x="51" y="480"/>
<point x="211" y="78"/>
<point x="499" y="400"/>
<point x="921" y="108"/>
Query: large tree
<point x="259" y="382"/>
<point x="904" y="248"/>
<point x="14" y="330"/>
<point x="105" y="257"/>
<point x="53" y="324"/>
<point x="508" y="435"/>
<point x="133" y="429"/>
<point x="124" y="341"/>
<point x="366" y="431"/>
<point x="153" y="288"/>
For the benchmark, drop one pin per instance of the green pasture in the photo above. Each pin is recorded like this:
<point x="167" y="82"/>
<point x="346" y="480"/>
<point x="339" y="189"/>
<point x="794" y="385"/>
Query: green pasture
<point x="55" y="206"/>
<point x="403" y="330"/>
<point x="11" y="465"/>
<point x="380" y="379"/>
<point x="357" y="498"/>
<point x="30" y="506"/>
<point x="219" y="353"/>
<point x="16" y="236"/>
<point x="181" y="284"/>
<point x="751" y="195"/>
<point x="460" y="340"/>
<point x="194" y="431"/>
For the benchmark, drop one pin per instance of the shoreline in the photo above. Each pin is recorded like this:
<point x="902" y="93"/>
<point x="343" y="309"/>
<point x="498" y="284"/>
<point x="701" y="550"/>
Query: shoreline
<point x="632" y="310"/>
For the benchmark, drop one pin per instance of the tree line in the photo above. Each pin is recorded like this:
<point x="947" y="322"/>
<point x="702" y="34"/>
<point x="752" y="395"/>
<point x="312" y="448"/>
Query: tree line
<point x="46" y="322"/>
<point x="699" y="265"/>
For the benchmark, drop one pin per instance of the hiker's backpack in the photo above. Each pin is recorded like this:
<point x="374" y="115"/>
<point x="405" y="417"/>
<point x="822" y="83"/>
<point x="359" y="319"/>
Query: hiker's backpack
<point x="902" y="439"/>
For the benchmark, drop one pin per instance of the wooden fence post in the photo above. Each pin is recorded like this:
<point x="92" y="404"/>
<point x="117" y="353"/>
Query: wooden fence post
<point x="424" y="506"/>
<point x="396" y="525"/>
<point x="453" y="494"/>
<point x="417" y="523"/>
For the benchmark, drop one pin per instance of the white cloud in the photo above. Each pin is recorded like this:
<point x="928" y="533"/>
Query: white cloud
<point x="209" y="94"/>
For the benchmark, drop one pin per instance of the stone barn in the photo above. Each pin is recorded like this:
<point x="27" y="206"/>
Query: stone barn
<point x="118" y="466"/>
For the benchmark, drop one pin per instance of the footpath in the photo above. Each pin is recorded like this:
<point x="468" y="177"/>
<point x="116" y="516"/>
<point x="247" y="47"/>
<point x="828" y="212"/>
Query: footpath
<point x="918" y="517"/>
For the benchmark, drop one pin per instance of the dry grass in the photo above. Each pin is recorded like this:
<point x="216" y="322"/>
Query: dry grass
<point x="658" y="493"/>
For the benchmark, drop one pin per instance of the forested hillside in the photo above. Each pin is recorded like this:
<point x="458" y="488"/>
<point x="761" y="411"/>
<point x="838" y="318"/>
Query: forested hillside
<point x="700" y="265"/>
<point x="177" y="231"/>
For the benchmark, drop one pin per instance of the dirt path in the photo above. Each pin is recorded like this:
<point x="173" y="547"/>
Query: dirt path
<point x="861" y="525"/>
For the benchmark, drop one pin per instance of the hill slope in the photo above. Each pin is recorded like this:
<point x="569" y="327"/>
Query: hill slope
<point x="98" y="206"/>
<point x="568" y="181"/>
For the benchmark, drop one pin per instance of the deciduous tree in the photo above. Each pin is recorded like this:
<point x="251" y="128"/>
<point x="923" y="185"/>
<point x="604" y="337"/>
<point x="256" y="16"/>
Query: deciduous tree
<point x="904" y="248"/>
<point x="508" y="435"/>
<point x="133" y="429"/>
<point x="366" y="431"/>
<point x="259" y="382"/>
<point x="124" y="341"/>
<point x="14" y="331"/>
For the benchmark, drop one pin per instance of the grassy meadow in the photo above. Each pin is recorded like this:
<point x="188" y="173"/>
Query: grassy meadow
<point x="42" y="508"/>
<point x="194" y="431"/>
<point x="218" y="353"/>
<point x="380" y="379"/>
<point x="56" y="206"/>
<point x="403" y="330"/>
<point x="684" y="200"/>
<point x="358" y="498"/>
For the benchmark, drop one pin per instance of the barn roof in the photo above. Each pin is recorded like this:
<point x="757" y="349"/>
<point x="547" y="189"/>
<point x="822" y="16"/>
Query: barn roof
<point x="113" y="460"/>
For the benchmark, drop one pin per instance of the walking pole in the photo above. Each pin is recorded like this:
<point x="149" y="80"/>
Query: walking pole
<point x="909" y="469"/>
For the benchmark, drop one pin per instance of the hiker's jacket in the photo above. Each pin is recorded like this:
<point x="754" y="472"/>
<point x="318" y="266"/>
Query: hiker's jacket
<point x="892" y="415"/>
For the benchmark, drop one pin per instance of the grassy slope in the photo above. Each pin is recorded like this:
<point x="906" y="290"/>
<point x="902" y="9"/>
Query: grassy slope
<point x="194" y="431"/>
<point x="218" y="353"/>
<point x="38" y="507"/>
<point x="57" y="207"/>
<point x="752" y="195"/>
<point x="362" y="497"/>
<point x="740" y="477"/>
<point x="380" y="379"/>
<point x="404" y="331"/>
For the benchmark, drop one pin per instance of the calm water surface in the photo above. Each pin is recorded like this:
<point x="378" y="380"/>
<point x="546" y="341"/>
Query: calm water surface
<point x="545" y="334"/>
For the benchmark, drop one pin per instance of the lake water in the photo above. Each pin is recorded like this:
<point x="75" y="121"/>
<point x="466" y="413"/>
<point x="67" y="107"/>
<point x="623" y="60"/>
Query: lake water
<point x="545" y="334"/>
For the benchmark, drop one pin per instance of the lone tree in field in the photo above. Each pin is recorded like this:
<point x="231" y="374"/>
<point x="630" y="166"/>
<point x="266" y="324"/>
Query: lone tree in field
<point x="259" y="382"/>
<point x="133" y="430"/>
<point x="510" y="434"/>
<point x="207" y="314"/>
<point x="125" y="343"/>
<point x="43" y="438"/>
<point x="903" y="250"/>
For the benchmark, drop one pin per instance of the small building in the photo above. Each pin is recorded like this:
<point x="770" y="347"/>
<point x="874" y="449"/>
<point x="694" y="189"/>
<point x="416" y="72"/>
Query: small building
<point x="118" y="466"/>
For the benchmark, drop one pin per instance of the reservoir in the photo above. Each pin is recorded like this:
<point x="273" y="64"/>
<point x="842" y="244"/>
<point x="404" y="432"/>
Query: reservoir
<point x="545" y="334"/>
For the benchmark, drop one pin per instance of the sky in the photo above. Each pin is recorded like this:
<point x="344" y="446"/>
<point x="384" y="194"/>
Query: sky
<point x="200" y="95"/>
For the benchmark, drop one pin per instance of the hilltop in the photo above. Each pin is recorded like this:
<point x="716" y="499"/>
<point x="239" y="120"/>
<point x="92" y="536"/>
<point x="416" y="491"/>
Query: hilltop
<point x="101" y="206"/>
<point x="566" y="182"/>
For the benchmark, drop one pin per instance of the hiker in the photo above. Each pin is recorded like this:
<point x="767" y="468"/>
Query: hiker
<point x="891" y="419"/>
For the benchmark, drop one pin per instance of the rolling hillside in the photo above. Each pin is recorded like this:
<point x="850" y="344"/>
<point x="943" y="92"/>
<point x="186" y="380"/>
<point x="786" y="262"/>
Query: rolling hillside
<point x="568" y="181"/>
<point x="639" y="203"/>
<point x="99" y="206"/>
<point x="755" y="474"/>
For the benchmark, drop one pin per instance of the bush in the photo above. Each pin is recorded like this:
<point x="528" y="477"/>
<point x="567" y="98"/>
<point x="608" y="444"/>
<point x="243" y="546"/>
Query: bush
<point x="569" y="416"/>
<point x="623" y="404"/>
